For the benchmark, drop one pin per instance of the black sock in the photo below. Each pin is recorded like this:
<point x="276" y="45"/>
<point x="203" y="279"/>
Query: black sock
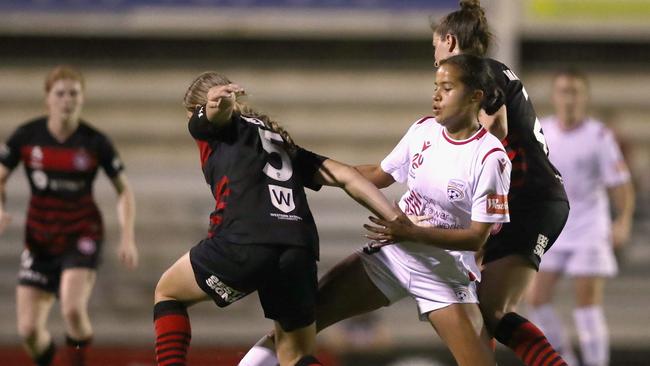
<point x="46" y="358"/>
<point x="76" y="350"/>
<point x="308" y="361"/>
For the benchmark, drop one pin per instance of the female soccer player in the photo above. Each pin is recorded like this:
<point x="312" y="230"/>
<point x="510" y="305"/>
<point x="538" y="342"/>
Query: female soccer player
<point x="63" y="236"/>
<point x="592" y="166"/>
<point x="262" y="235"/>
<point x="458" y="177"/>
<point x="538" y="203"/>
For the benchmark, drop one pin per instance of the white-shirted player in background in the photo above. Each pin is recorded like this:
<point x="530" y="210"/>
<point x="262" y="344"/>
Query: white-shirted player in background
<point x="587" y="155"/>
<point x="458" y="176"/>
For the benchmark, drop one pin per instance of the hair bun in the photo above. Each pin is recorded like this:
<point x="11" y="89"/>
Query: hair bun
<point x="471" y="5"/>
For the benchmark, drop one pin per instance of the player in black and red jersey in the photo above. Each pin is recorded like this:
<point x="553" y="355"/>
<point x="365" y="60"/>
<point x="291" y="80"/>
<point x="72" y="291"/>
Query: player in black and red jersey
<point x="262" y="235"/>
<point x="63" y="236"/>
<point x="538" y="203"/>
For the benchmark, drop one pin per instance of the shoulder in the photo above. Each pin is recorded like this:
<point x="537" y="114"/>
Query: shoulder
<point x="33" y="125"/>
<point x="89" y="131"/>
<point x="490" y="147"/>
<point x="424" y="122"/>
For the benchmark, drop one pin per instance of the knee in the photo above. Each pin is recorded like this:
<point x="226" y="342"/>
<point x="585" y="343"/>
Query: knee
<point x="28" y="332"/>
<point x="74" y="314"/>
<point x="492" y="314"/>
<point x="162" y="291"/>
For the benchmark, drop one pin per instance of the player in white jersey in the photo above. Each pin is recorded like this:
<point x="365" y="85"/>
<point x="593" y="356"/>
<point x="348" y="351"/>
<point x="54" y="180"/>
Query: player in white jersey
<point x="458" y="177"/>
<point x="591" y="163"/>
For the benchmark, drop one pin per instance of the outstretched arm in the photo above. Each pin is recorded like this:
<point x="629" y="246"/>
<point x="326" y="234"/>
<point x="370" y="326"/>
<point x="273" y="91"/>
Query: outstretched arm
<point x="376" y="175"/>
<point x="5" y="218"/>
<point x="221" y="103"/>
<point x="333" y="173"/>
<point x="127" y="251"/>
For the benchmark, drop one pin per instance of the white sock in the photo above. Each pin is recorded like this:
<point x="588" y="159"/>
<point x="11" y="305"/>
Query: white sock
<point x="260" y="355"/>
<point x="593" y="335"/>
<point x="546" y="318"/>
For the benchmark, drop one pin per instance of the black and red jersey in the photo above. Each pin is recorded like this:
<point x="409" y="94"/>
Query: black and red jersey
<point x="258" y="185"/>
<point x="533" y="178"/>
<point x="61" y="174"/>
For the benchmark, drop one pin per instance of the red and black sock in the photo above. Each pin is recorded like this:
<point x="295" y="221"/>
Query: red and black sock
<point x="308" y="361"/>
<point x="173" y="333"/>
<point x="46" y="358"/>
<point x="76" y="350"/>
<point x="527" y="341"/>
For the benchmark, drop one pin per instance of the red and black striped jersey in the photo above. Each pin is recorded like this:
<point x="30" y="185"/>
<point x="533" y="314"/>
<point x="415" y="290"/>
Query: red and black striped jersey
<point x="257" y="183"/>
<point x="533" y="178"/>
<point x="60" y="175"/>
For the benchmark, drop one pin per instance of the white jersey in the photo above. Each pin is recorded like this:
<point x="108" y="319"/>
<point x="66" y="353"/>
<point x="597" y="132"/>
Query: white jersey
<point x="590" y="161"/>
<point x="454" y="182"/>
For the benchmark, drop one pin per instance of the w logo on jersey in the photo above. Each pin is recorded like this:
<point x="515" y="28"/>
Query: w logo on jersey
<point x="282" y="198"/>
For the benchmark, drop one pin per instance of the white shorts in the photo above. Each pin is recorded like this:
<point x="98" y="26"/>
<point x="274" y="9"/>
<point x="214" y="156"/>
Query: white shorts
<point x="581" y="260"/>
<point x="397" y="281"/>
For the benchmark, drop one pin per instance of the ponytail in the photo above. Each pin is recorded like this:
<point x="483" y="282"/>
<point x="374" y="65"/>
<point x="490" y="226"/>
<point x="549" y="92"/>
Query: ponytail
<point x="470" y="27"/>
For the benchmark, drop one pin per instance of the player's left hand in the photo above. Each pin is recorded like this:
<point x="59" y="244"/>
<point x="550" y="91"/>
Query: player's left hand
<point x="389" y="232"/>
<point x="620" y="233"/>
<point x="128" y="254"/>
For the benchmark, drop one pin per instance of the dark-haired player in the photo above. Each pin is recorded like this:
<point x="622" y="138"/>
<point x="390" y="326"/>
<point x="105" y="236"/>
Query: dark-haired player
<point x="63" y="235"/>
<point x="538" y="203"/>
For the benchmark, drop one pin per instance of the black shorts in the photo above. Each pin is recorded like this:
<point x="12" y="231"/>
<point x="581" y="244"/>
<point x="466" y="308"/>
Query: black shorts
<point x="285" y="278"/>
<point x="530" y="232"/>
<point x="44" y="270"/>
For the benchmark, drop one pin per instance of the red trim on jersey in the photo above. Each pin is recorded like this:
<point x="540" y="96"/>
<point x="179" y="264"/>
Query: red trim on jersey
<point x="423" y="119"/>
<point x="205" y="150"/>
<point x="63" y="228"/>
<point x="49" y="214"/>
<point x="480" y="133"/>
<point x="221" y="191"/>
<point x="490" y="152"/>
<point x="56" y="203"/>
<point x="64" y="159"/>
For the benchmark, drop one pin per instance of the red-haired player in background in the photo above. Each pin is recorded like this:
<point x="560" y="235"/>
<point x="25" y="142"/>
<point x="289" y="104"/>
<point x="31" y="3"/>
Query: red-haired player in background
<point x="63" y="236"/>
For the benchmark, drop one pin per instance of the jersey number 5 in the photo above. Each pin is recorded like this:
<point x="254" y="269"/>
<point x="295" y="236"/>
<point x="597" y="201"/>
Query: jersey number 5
<point x="285" y="172"/>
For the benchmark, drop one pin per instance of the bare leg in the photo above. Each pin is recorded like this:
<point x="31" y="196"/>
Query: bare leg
<point x="292" y="346"/>
<point x="33" y="307"/>
<point x="176" y="290"/>
<point x="459" y="326"/>
<point x="76" y="286"/>
<point x="344" y="291"/>
<point x="503" y="284"/>
<point x="542" y="313"/>
<point x="178" y="283"/>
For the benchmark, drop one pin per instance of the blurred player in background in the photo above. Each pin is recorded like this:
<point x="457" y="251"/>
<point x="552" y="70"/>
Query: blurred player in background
<point x="262" y="235"/>
<point x="538" y="202"/>
<point x="458" y="177"/>
<point x="64" y="232"/>
<point x="591" y="163"/>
